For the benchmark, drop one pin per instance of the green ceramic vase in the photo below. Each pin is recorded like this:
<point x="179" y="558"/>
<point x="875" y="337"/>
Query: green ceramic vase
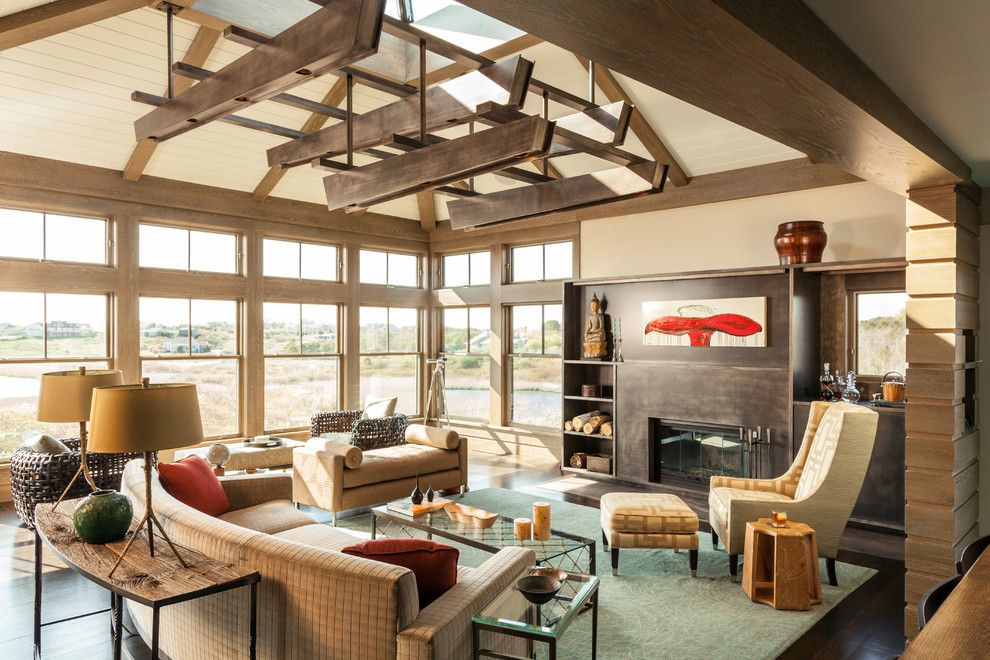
<point x="103" y="516"/>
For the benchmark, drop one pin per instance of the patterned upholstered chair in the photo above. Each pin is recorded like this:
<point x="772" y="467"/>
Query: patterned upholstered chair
<point x="820" y="488"/>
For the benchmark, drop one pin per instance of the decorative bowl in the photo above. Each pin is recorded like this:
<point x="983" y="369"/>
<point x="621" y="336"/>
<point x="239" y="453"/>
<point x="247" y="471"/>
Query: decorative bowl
<point x="538" y="589"/>
<point x="470" y="515"/>
<point x="550" y="572"/>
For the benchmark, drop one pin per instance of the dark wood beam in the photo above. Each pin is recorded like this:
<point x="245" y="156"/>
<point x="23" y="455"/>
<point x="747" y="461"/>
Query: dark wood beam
<point x="53" y="18"/>
<point x="543" y="198"/>
<point x="495" y="53"/>
<point x="200" y="48"/>
<point x="236" y="120"/>
<point x="772" y="67"/>
<point x="448" y="104"/>
<point x="315" y="122"/>
<point x="337" y="35"/>
<point x="439" y="164"/>
<point x="641" y="128"/>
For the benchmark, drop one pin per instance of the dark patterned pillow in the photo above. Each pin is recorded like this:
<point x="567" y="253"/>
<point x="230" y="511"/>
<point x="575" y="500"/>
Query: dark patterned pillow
<point x="376" y="433"/>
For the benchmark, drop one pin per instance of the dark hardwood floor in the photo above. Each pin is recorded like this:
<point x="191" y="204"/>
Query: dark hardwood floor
<point x="867" y="624"/>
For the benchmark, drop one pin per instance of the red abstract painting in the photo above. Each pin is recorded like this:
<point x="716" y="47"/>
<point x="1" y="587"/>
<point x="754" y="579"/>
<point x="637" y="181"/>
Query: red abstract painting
<point x="701" y="320"/>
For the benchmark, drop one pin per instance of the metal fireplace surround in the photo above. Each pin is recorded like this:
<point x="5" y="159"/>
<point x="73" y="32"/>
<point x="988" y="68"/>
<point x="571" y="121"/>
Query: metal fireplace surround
<point x="700" y="450"/>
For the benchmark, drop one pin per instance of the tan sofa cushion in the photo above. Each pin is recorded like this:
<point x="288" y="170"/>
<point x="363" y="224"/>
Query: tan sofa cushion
<point x="338" y="443"/>
<point x="269" y="517"/>
<point x="719" y="498"/>
<point x="398" y="462"/>
<point x="432" y="436"/>
<point x="319" y="536"/>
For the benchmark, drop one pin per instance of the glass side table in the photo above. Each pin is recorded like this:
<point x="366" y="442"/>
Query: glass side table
<point x="511" y="614"/>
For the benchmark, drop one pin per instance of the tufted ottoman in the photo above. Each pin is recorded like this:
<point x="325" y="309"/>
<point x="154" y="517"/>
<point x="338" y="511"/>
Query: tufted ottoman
<point x="648" y="520"/>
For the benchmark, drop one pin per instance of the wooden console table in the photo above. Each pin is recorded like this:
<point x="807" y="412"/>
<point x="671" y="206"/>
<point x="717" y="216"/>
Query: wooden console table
<point x="781" y="565"/>
<point x="152" y="581"/>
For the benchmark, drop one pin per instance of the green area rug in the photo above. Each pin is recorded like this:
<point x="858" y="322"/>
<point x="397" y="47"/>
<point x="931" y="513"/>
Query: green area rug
<point x="654" y="608"/>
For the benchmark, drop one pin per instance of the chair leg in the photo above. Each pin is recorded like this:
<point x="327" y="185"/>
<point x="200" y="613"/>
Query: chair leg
<point x="615" y="561"/>
<point x="733" y="567"/>
<point x="334" y="522"/>
<point x="714" y="539"/>
<point x="693" y="554"/>
<point x="830" y="569"/>
<point x="604" y="540"/>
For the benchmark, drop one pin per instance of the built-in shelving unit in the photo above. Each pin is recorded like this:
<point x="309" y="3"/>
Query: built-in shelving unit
<point x="603" y="374"/>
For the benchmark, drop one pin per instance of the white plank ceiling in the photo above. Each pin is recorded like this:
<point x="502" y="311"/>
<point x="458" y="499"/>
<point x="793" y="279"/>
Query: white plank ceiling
<point x="68" y="98"/>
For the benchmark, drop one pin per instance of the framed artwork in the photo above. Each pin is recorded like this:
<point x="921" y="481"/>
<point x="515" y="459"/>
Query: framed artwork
<point x="719" y="322"/>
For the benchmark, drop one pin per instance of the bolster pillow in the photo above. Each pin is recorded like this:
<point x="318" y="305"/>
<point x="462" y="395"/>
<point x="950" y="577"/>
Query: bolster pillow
<point x="352" y="455"/>
<point x="432" y="436"/>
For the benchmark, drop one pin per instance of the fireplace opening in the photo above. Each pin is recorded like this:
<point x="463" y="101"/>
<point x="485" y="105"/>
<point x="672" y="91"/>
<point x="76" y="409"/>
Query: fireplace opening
<point x="697" y="450"/>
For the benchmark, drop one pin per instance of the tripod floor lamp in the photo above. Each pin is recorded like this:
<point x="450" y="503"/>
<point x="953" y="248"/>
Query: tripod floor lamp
<point x="66" y="396"/>
<point x="145" y="417"/>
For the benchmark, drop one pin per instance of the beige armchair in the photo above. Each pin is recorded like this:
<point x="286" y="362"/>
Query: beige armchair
<point x="819" y="489"/>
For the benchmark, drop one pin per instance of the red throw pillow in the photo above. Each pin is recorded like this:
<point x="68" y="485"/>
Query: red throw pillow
<point x="433" y="564"/>
<point x="192" y="482"/>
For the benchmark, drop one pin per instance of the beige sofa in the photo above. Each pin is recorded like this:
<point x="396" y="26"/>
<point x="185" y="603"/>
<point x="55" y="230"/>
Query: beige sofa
<point x="332" y="475"/>
<point x="313" y="602"/>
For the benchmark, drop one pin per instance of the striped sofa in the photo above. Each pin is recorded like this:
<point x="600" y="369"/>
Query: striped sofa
<point x="314" y="602"/>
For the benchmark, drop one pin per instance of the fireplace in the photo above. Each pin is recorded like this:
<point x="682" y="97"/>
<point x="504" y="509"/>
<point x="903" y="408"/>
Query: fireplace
<point x="697" y="450"/>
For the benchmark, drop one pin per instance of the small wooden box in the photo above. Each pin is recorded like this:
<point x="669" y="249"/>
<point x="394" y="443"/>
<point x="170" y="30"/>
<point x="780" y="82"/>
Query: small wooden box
<point x="590" y="390"/>
<point x="600" y="463"/>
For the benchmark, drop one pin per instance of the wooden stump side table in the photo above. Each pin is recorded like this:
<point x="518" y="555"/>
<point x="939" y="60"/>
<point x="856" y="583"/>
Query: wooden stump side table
<point x="781" y="565"/>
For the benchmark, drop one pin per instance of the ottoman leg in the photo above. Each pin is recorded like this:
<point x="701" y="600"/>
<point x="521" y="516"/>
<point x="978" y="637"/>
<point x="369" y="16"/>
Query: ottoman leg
<point x="615" y="561"/>
<point x="733" y="567"/>
<point x="714" y="539"/>
<point x="693" y="554"/>
<point x="830" y="569"/>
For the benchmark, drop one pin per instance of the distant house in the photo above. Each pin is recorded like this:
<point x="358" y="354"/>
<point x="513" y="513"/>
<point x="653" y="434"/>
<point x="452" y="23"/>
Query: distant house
<point x="60" y="329"/>
<point x="183" y="347"/>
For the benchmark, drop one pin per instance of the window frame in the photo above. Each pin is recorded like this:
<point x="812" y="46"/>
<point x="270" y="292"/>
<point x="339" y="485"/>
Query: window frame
<point x="419" y="353"/>
<point x="338" y="263"/>
<point x="486" y="354"/>
<point x="852" y="329"/>
<point x="238" y="251"/>
<point x="108" y="243"/>
<point x="237" y="356"/>
<point x="469" y="255"/>
<point x="338" y="355"/>
<point x="509" y="261"/>
<point x="388" y="253"/>
<point x="511" y="354"/>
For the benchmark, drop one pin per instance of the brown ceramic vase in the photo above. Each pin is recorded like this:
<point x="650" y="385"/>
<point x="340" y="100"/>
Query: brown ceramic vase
<point x="800" y="242"/>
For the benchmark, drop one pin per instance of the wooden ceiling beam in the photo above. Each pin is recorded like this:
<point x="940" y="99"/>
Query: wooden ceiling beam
<point x="53" y="18"/>
<point x="439" y="164"/>
<point x="337" y="35"/>
<point x="496" y="53"/>
<point x="543" y="198"/>
<point x="333" y="97"/>
<point x="641" y="128"/>
<point x="448" y="104"/>
<point x="199" y="50"/>
<point x="427" y="211"/>
<point x="236" y="120"/>
<point x="775" y="69"/>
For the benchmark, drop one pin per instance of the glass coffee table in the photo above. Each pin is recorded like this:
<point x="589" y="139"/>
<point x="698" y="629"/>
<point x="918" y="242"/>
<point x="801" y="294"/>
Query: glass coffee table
<point x="565" y="551"/>
<point x="509" y="613"/>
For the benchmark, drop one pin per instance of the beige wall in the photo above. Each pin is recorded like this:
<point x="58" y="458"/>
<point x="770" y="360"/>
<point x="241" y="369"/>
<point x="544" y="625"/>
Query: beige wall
<point x="862" y="222"/>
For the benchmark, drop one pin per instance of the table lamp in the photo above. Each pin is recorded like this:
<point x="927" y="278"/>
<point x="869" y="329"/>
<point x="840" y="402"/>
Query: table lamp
<point x="146" y="418"/>
<point x="66" y="396"/>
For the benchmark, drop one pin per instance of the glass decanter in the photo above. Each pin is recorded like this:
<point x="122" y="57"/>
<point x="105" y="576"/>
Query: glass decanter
<point x="826" y="381"/>
<point x="850" y="394"/>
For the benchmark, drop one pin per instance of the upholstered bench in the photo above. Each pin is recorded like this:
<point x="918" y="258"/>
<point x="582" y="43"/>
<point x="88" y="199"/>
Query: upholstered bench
<point x="649" y="520"/>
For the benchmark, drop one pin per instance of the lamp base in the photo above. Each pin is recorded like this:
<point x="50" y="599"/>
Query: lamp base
<point x="149" y="518"/>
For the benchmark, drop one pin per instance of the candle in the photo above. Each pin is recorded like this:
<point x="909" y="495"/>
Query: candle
<point x="541" y="521"/>
<point x="524" y="529"/>
<point x="618" y="329"/>
<point x="778" y="518"/>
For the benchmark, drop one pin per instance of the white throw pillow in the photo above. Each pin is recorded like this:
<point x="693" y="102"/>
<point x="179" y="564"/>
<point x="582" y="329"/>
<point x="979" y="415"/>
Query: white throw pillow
<point x="378" y="407"/>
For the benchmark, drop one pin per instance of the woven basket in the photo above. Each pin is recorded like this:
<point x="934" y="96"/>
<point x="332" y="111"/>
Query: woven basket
<point x="40" y="478"/>
<point x="600" y="463"/>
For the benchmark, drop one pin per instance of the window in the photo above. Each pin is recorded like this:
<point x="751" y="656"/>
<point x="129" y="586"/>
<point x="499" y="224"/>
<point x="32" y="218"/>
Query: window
<point x="302" y="363"/>
<point x="466" y="342"/>
<point x="301" y="261"/>
<point x="880" y="333"/>
<point x="41" y="332"/>
<point x="390" y="355"/>
<point x="186" y="249"/>
<point x="195" y="341"/>
<point x="30" y="235"/>
<point x="471" y="269"/>
<point x="536" y="263"/>
<point x="389" y="268"/>
<point x="534" y="364"/>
